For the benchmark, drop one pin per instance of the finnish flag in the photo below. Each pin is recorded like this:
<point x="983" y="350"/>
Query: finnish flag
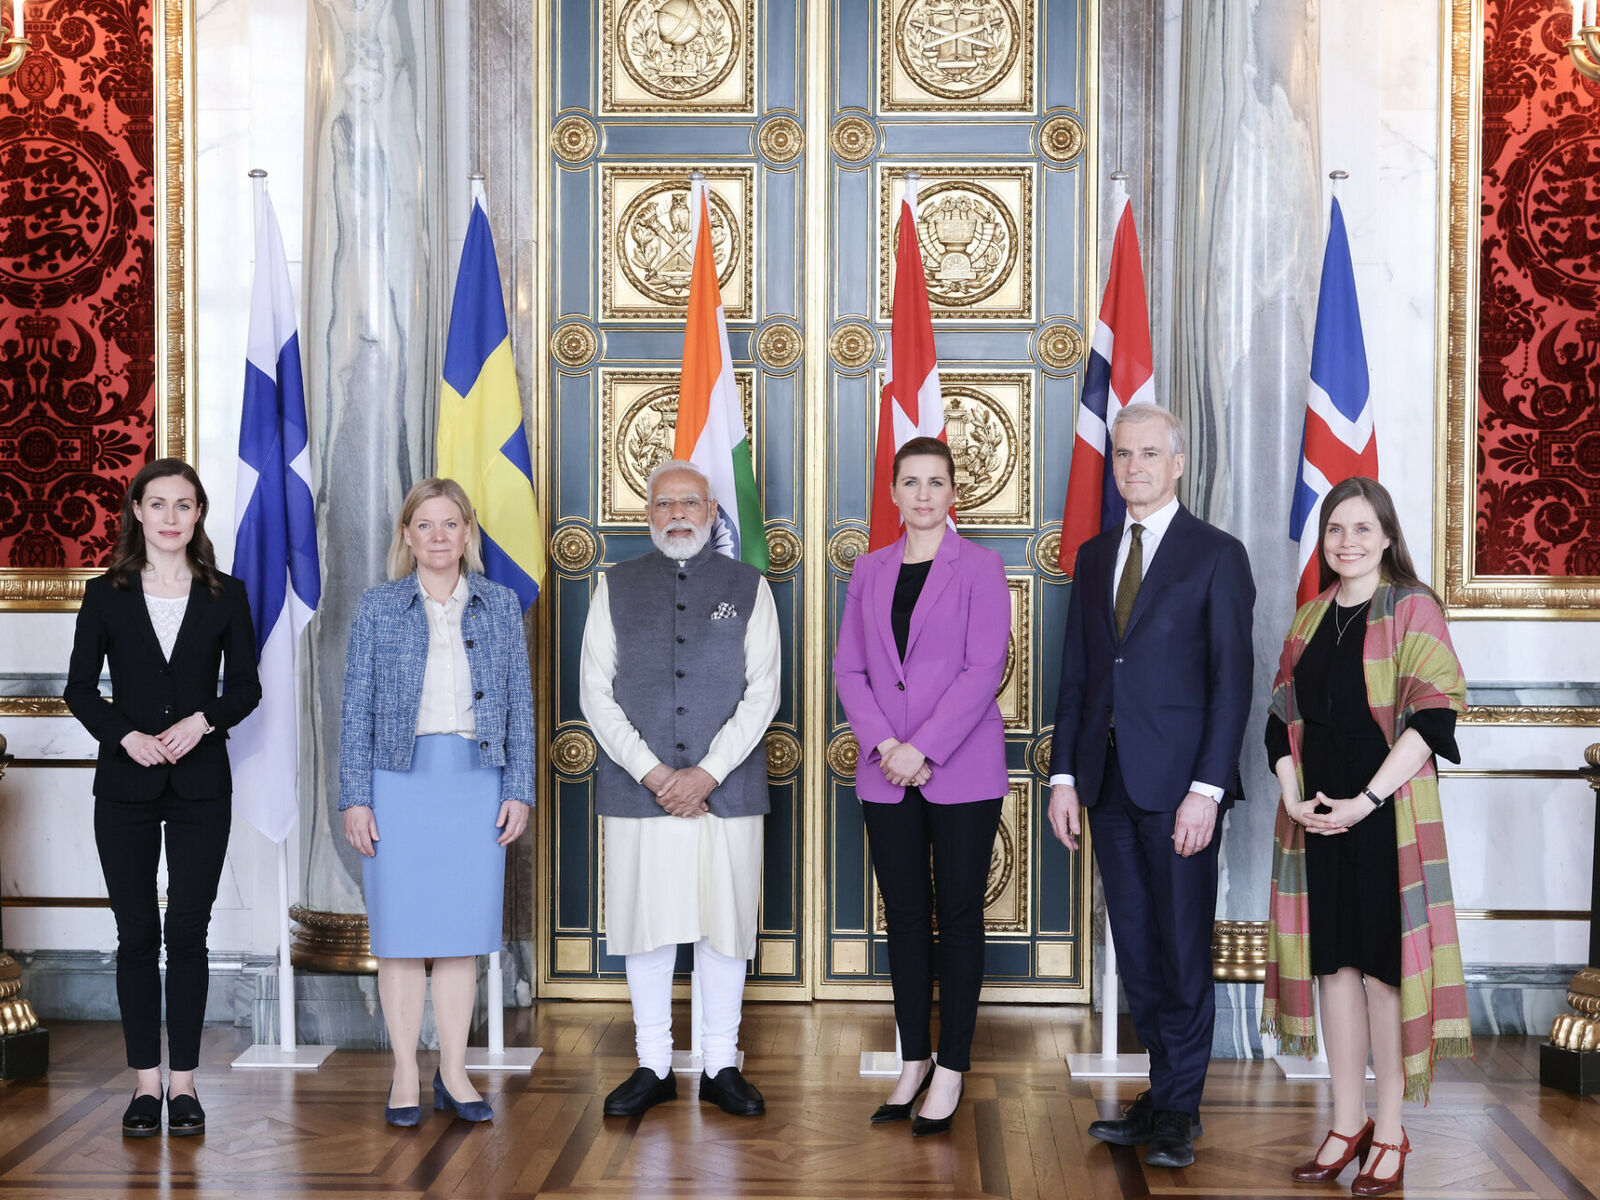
<point x="275" y="546"/>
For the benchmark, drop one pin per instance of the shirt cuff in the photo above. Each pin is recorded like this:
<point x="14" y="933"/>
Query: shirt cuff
<point x="641" y="764"/>
<point x="713" y="766"/>
<point x="1070" y="780"/>
<point x="1206" y="789"/>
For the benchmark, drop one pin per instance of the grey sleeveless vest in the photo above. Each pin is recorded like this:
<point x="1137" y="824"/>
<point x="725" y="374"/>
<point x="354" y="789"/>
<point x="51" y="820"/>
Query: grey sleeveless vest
<point x="680" y="673"/>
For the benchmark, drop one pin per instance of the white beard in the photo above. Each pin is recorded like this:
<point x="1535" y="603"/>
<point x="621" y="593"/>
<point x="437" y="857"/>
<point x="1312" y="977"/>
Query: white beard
<point x="681" y="548"/>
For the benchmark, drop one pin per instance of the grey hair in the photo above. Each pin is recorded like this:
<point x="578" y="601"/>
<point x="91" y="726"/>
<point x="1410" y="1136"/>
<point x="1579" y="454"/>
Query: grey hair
<point x="677" y="464"/>
<point x="1143" y="410"/>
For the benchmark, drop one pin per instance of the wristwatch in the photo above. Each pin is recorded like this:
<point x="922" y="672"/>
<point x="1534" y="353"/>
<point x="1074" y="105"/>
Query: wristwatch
<point x="1371" y="795"/>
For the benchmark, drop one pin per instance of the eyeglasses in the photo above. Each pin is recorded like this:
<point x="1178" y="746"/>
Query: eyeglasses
<point x="689" y="504"/>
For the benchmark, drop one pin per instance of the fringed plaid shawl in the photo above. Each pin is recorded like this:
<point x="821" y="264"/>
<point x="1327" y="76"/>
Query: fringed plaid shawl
<point x="1410" y="666"/>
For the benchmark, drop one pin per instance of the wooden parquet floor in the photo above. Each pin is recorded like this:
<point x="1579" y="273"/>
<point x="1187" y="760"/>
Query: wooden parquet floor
<point x="1490" y="1134"/>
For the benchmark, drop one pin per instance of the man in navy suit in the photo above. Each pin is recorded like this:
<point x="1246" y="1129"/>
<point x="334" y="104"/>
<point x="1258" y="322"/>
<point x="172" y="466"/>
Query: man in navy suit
<point x="1155" y="693"/>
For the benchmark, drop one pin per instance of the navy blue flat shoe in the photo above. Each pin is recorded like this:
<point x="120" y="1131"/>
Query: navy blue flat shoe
<point x="468" y="1110"/>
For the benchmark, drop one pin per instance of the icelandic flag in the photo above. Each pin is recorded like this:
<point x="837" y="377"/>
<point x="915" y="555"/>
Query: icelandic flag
<point x="483" y="442"/>
<point x="912" y="403"/>
<point x="711" y="432"/>
<point x="1338" y="441"/>
<point x="1120" y="371"/>
<point x="275" y="539"/>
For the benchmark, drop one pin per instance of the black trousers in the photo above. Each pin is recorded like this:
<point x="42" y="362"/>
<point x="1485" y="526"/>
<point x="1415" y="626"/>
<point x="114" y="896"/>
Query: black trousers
<point x="128" y="834"/>
<point x="1161" y="908"/>
<point x="961" y="839"/>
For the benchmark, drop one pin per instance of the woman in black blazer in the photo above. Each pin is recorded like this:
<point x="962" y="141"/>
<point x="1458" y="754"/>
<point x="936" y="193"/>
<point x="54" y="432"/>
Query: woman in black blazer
<point x="165" y="619"/>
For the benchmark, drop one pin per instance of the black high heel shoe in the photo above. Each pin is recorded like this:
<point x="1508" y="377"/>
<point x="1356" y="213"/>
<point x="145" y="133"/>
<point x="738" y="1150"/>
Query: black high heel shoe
<point x="928" y="1126"/>
<point x="142" y="1117"/>
<point x="899" y="1112"/>
<point x="185" y="1117"/>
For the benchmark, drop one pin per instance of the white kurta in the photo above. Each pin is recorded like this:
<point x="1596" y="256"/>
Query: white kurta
<point x="672" y="880"/>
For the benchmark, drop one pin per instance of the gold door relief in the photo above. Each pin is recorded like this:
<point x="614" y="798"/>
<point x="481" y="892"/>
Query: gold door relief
<point x="805" y="119"/>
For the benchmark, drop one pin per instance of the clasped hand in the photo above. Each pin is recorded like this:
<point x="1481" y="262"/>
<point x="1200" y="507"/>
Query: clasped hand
<point x="682" y="792"/>
<point x="1341" y="816"/>
<point x="169" y="745"/>
<point x="902" y="763"/>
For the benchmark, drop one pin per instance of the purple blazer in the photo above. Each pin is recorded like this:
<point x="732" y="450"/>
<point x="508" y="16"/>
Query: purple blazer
<point x="942" y="698"/>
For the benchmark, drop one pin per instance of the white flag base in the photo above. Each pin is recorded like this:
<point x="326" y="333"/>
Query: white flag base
<point x="516" y="1059"/>
<point x="296" y="1058"/>
<point x="1108" y="1066"/>
<point x="690" y="1059"/>
<point x="878" y="1064"/>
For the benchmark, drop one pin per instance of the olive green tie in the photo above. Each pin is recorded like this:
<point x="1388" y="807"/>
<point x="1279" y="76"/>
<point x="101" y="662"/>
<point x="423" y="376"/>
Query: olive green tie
<point x="1132" y="573"/>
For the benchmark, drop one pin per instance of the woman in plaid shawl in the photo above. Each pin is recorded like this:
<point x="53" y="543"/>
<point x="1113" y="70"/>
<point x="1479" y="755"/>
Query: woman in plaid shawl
<point x="1367" y="693"/>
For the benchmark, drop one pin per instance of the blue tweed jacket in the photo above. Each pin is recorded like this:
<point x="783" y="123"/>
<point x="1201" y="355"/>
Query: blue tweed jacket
<point x="383" y="685"/>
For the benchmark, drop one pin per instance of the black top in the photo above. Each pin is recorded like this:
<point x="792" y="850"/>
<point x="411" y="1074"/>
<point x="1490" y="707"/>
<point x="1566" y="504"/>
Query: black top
<point x="1330" y="687"/>
<point x="150" y="693"/>
<point x="906" y="590"/>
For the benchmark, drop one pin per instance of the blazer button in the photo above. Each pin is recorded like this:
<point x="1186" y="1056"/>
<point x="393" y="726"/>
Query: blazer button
<point x="681" y="607"/>
<point x="1119" y="662"/>
<point x="682" y="710"/>
<point x="682" y="575"/>
<point x="899" y="687"/>
<point x="483" y="745"/>
<point x="682" y="639"/>
<point x="681" y="746"/>
<point x="679" y="674"/>
<point x="469" y="643"/>
<point x="477" y="695"/>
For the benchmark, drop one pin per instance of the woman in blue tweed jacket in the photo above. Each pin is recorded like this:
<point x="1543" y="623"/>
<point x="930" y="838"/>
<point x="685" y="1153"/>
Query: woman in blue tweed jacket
<point x="435" y="778"/>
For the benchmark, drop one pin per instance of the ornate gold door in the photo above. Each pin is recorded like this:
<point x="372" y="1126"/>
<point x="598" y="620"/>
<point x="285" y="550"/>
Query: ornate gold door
<point x="805" y="118"/>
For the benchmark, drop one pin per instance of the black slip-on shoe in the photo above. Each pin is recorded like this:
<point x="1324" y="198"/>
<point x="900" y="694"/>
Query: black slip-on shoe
<point x="732" y="1093"/>
<point x="185" y="1117"/>
<point x="142" y="1117"/>
<point x="642" y="1090"/>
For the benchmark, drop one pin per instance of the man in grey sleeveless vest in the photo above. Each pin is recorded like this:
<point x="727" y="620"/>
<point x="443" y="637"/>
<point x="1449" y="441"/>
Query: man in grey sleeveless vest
<point x="679" y="682"/>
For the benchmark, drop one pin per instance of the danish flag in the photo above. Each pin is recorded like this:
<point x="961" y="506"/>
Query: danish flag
<point x="911" y="404"/>
<point x="1119" y="372"/>
<point x="1338" y="441"/>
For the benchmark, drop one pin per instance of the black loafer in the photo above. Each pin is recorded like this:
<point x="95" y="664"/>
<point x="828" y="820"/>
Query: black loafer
<point x="642" y="1090"/>
<point x="928" y="1126"/>
<point x="185" y="1117"/>
<point x="142" y="1117"/>
<point x="1173" y="1143"/>
<point x="899" y="1112"/>
<point x="732" y="1093"/>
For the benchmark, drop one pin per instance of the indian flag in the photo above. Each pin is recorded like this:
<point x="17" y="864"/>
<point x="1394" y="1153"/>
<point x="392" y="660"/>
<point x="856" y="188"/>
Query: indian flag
<point x="711" y="432"/>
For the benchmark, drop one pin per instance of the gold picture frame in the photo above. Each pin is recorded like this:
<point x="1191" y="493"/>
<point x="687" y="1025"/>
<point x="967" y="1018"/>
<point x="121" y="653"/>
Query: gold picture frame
<point x="172" y="70"/>
<point x="1468" y="594"/>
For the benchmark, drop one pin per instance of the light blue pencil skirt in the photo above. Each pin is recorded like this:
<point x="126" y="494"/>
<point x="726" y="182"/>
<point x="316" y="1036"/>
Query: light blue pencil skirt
<point x="435" y="888"/>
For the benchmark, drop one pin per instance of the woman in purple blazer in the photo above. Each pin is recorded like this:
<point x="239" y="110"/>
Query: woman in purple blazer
<point x="921" y="653"/>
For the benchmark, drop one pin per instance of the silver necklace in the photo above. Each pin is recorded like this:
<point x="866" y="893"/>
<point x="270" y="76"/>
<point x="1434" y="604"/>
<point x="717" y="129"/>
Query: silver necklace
<point x="1340" y="629"/>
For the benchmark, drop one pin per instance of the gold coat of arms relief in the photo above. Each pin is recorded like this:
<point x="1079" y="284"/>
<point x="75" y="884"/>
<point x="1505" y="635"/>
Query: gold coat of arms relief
<point x="647" y="247"/>
<point x="678" y="56"/>
<point x="942" y="55"/>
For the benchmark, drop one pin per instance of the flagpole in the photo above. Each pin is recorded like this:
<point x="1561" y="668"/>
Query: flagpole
<point x="495" y="1056"/>
<point x="287" y="1053"/>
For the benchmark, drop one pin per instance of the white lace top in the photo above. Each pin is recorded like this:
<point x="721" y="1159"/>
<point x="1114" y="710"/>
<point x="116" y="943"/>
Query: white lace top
<point x="166" y="614"/>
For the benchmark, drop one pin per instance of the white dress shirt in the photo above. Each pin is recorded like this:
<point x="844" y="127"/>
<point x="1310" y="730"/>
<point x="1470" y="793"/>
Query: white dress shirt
<point x="733" y="743"/>
<point x="446" y="705"/>
<point x="1155" y="528"/>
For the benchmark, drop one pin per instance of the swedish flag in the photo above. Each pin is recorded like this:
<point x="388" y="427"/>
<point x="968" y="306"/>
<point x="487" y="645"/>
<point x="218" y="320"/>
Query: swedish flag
<point x="483" y="443"/>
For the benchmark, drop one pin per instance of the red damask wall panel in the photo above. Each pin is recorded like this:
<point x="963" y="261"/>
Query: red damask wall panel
<point x="77" y="279"/>
<point x="1538" y="497"/>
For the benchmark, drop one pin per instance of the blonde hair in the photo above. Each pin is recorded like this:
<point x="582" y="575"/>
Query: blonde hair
<point x="401" y="561"/>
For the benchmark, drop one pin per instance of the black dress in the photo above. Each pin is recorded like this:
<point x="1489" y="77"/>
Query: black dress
<point x="1352" y="878"/>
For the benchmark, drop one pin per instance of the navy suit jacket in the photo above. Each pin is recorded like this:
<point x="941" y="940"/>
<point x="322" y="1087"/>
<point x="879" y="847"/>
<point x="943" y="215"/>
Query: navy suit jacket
<point x="1178" y="680"/>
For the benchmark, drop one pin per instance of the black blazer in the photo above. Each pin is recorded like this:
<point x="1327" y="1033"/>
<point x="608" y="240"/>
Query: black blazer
<point x="149" y="694"/>
<point x="1179" y="678"/>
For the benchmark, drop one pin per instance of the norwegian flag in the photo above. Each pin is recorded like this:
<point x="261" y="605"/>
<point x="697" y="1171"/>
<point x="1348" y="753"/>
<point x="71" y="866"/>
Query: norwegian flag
<point x="911" y="405"/>
<point x="1119" y="373"/>
<point x="1338" y="441"/>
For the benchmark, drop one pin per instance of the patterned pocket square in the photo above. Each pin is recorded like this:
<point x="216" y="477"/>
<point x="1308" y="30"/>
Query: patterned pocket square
<point x="724" y="611"/>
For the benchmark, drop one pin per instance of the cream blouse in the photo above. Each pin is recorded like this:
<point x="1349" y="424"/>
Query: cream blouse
<point x="447" y="679"/>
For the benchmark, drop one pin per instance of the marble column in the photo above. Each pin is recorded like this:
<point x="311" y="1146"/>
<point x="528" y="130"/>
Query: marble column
<point x="375" y="300"/>
<point x="1250" y="220"/>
